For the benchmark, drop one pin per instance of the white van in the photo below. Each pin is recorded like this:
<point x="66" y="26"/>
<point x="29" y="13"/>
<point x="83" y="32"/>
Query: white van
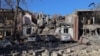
<point x="65" y="33"/>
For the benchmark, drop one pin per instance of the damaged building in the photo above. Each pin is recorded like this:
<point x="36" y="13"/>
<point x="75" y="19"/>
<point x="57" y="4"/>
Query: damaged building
<point x="64" y="28"/>
<point x="29" y="24"/>
<point x="40" y="30"/>
<point x="6" y="23"/>
<point x="88" y="22"/>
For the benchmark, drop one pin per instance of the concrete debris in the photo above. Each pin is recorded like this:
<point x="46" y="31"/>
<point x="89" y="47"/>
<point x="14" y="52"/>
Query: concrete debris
<point x="68" y="50"/>
<point x="24" y="53"/>
<point x="54" y="54"/>
<point x="84" y="40"/>
<point x="60" y="52"/>
<point x="45" y="53"/>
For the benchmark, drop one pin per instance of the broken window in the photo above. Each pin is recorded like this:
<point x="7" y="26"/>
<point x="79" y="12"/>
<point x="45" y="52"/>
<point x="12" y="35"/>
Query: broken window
<point x="1" y="35"/>
<point x="66" y="30"/>
<point x="27" y="20"/>
<point x="8" y="33"/>
<point x="1" y="20"/>
<point x="28" y="30"/>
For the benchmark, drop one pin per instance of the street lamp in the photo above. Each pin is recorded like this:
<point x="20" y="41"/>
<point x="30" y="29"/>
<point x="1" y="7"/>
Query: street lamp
<point x="93" y="11"/>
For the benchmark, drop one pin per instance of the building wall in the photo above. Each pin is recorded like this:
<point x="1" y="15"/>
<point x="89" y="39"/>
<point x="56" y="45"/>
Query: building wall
<point x="72" y="20"/>
<point x="75" y="27"/>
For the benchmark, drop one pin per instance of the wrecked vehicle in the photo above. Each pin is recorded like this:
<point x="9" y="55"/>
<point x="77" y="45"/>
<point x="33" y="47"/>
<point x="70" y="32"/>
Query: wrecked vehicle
<point x="5" y="43"/>
<point x="33" y="38"/>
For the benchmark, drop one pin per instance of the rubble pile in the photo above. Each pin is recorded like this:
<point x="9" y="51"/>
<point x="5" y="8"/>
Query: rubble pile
<point x="89" y="51"/>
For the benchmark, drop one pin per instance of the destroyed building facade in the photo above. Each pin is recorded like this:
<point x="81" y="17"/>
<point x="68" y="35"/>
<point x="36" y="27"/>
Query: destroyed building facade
<point x="88" y="22"/>
<point x="73" y="26"/>
<point x="6" y="23"/>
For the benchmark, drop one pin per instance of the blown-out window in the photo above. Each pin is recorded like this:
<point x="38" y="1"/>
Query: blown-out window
<point x="1" y="35"/>
<point x="28" y="30"/>
<point x="66" y="30"/>
<point x="1" y="20"/>
<point x="27" y="20"/>
<point x="8" y="33"/>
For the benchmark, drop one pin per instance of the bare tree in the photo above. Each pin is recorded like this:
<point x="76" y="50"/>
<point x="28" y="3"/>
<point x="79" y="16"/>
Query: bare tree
<point x="11" y="4"/>
<point x="7" y="4"/>
<point x="98" y="6"/>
